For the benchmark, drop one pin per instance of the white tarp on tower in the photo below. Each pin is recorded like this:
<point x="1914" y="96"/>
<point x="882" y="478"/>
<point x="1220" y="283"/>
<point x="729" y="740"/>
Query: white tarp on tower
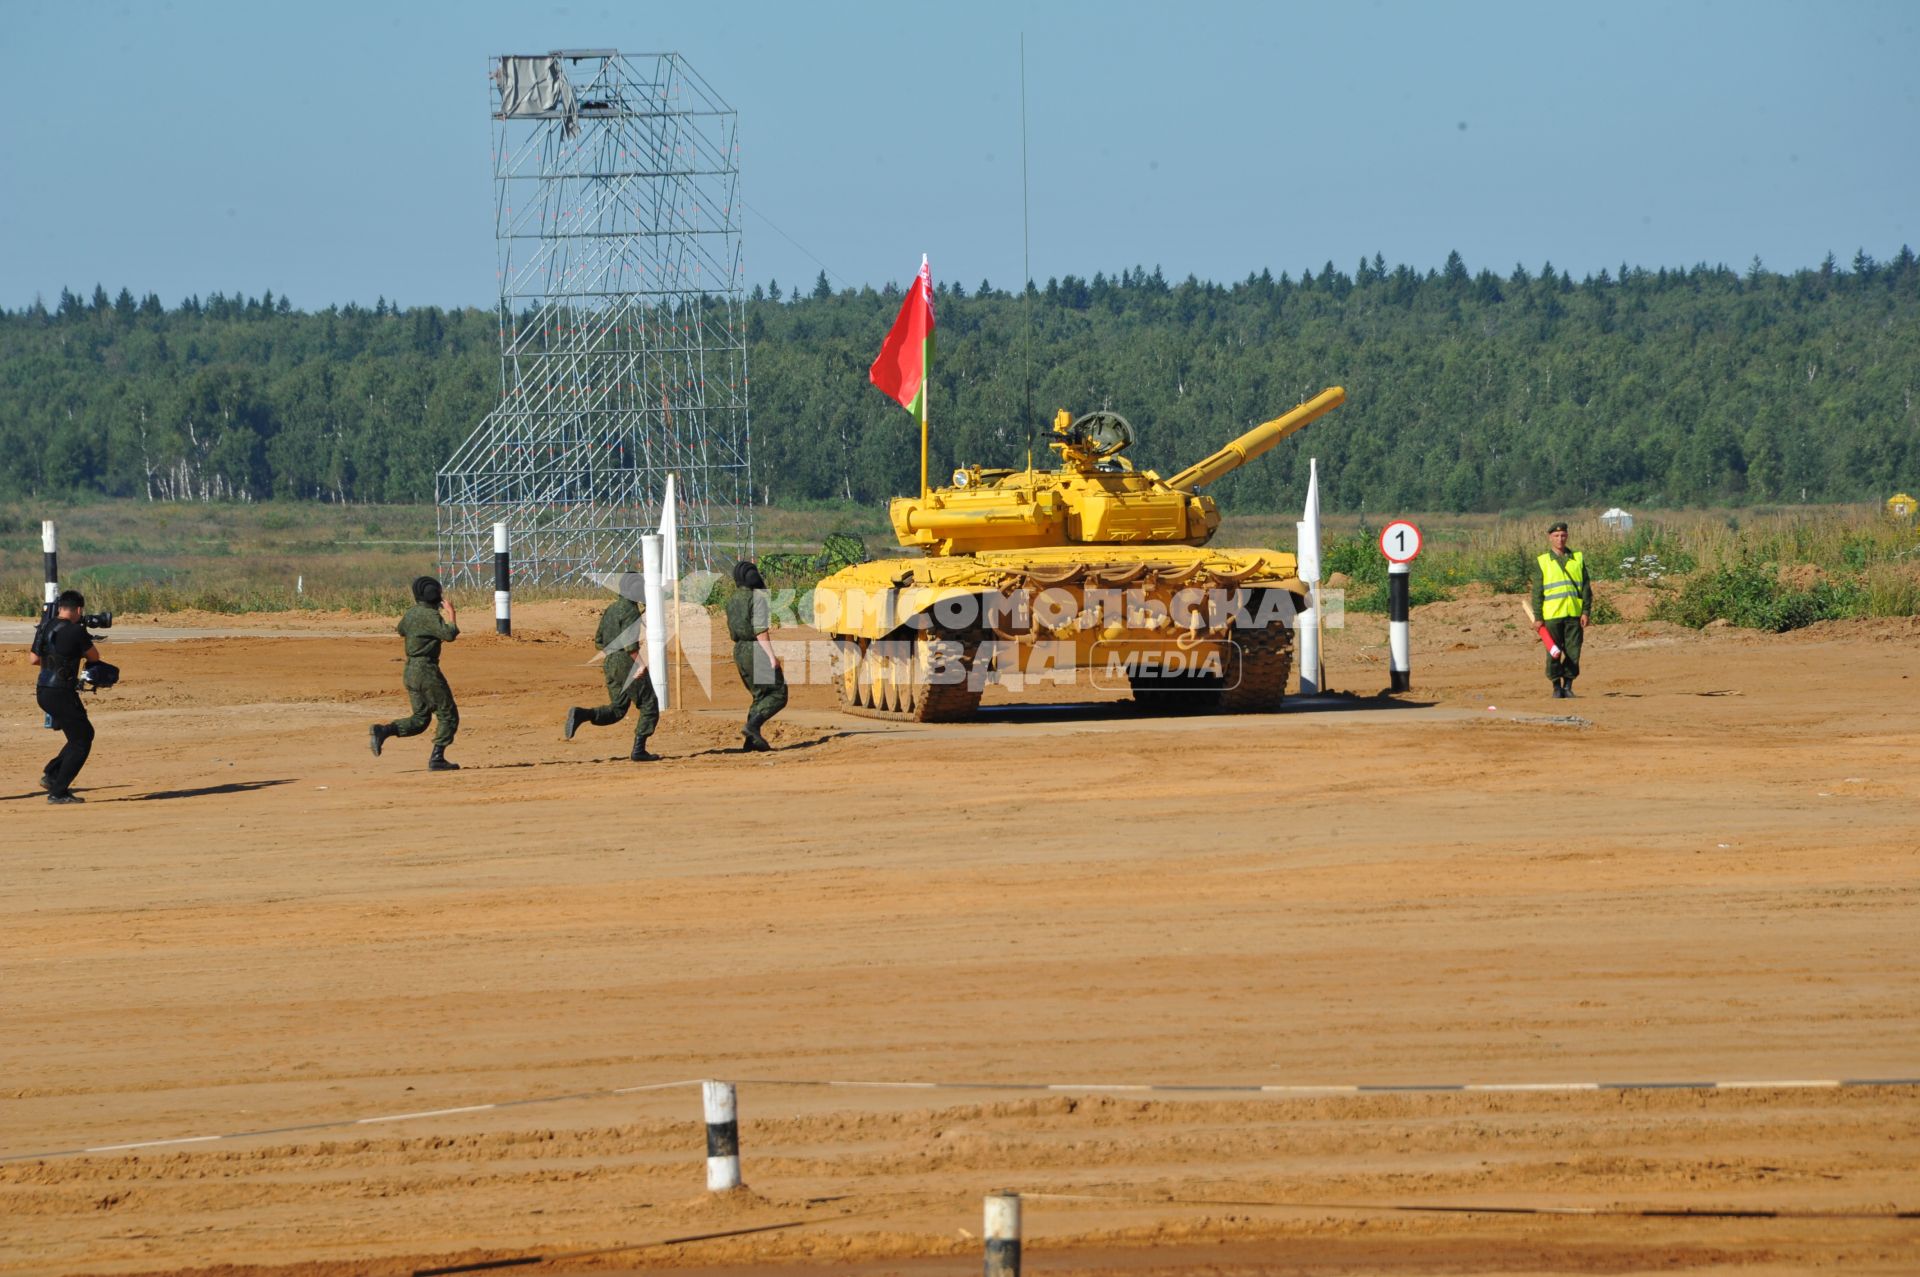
<point x="536" y="88"/>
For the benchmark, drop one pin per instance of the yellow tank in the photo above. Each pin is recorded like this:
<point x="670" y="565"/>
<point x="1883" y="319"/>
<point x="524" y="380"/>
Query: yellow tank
<point x="1028" y="576"/>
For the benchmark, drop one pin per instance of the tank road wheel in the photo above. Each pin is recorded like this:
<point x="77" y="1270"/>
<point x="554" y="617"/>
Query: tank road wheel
<point x="864" y="690"/>
<point x="925" y="678"/>
<point x="903" y="686"/>
<point x="907" y="668"/>
<point x="846" y="672"/>
<point x="900" y="677"/>
<point x="877" y="676"/>
<point x="888" y="660"/>
<point x="1257" y="669"/>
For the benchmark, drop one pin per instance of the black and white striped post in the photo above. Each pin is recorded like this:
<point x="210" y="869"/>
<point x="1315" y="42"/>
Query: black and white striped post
<point x="50" y="556"/>
<point x="502" y="582"/>
<point x="50" y="561"/>
<point x="1400" y="543"/>
<point x="1001" y="1228"/>
<point x="1399" y="637"/>
<point x="723" y="1136"/>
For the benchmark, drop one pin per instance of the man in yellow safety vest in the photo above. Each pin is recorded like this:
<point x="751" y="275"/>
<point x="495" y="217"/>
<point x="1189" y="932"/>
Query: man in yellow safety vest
<point x="1562" y="599"/>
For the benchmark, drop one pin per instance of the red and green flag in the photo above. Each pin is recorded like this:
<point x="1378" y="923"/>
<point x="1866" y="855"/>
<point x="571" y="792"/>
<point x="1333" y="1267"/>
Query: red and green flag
<point x="907" y="353"/>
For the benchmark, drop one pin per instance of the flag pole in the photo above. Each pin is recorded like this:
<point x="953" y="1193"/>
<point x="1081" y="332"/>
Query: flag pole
<point x="926" y="380"/>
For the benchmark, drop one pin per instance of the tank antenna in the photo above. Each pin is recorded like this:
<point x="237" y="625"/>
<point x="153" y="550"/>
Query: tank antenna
<point x="1026" y="253"/>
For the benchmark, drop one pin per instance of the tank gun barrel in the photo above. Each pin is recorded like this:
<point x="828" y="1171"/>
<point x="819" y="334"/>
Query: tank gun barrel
<point x="1256" y="441"/>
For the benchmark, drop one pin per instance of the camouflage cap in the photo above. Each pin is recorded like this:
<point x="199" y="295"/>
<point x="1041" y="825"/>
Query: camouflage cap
<point x="1558" y="527"/>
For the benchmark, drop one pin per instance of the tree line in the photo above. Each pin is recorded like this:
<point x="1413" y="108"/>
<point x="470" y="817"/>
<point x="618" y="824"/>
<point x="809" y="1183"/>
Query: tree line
<point x="1466" y="390"/>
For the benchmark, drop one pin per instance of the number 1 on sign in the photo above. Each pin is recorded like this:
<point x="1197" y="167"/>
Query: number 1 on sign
<point x="1400" y="541"/>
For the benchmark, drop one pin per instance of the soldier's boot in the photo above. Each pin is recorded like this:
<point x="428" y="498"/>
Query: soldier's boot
<point x="46" y="781"/>
<point x="1558" y="691"/>
<point x="62" y="799"/>
<point x="438" y="761"/>
<point x="378" y="735"/>
<point x="755" y="743"/>
<point x="575" y="717"/>
<point x="1568" y="685"/>
<point x="640" y="754"/>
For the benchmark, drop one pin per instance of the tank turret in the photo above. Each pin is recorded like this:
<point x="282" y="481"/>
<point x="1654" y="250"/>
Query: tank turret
<point x="1095" y="497"/>
<point x="1091" y="566"/>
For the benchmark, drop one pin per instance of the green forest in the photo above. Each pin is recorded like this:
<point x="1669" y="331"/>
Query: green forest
<point x="1466" y="391"/>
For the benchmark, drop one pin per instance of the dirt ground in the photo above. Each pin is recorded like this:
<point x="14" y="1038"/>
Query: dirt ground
<point x="1703" y="868"/>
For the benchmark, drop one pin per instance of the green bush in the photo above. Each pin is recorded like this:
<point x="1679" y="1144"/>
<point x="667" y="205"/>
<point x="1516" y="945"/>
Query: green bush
<point x="1421" y="589"/>
<point x="1857" y="551"/>
<point x="1358" y="556"/>
<point x="842" y="549"/>
<point x="1648" y="553"/>
<point x="1507" y="570"/>
<point x="1645" y="554"/>
<point x="1752" y="595"/>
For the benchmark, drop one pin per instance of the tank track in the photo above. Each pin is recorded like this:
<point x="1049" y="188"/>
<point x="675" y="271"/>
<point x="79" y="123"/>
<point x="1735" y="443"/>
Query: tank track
<point x="1265" y="660"/>
<point x="867" y="693"/>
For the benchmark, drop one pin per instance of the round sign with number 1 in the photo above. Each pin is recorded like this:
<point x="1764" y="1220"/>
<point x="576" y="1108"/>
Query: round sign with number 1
<point x="1400" y="541"/>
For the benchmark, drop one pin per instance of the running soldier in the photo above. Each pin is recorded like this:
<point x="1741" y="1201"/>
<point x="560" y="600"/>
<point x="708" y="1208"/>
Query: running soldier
<point x="749" y="620"/>
<point x="423" y="631"/>
<point x="628" y="686"/>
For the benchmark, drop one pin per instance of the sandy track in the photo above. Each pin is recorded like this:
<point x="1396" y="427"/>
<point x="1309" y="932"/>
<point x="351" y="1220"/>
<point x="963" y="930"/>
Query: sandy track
<point x="254" y="924"/>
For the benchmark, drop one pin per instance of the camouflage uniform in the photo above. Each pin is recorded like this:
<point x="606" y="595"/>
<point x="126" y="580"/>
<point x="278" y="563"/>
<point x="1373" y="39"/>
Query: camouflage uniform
<point x="424" y="631"/>
<point x="748" y="617"/>
<point x="619" y="637"/>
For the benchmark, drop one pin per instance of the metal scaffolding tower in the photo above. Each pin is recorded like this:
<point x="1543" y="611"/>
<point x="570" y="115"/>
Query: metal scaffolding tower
<point x="622" y="324"/>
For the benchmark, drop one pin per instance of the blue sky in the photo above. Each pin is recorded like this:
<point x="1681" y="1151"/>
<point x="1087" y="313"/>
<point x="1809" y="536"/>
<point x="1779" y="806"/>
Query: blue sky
<point x="337" y="151"/>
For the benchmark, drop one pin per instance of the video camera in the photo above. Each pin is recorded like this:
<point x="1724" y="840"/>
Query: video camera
<point x="91" y="620"/>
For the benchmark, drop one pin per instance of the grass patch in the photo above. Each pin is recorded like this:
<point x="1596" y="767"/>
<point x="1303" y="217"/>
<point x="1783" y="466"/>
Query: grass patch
<point x="1771" y="571"/>
<point x="1755" y="596"/>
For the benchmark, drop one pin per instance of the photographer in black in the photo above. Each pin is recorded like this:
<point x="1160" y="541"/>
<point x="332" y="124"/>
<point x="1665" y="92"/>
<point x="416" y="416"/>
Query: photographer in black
<point x="59" y="644"/>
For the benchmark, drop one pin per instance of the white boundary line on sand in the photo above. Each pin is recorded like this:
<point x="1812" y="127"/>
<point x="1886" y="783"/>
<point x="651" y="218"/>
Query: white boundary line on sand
<point x="1309" y="1090"/>
<point x="1103" y="1088"/>
<point x="341" y="1123"/>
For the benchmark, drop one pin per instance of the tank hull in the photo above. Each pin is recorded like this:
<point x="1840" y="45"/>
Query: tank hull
<point x="1177" y="626"/>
